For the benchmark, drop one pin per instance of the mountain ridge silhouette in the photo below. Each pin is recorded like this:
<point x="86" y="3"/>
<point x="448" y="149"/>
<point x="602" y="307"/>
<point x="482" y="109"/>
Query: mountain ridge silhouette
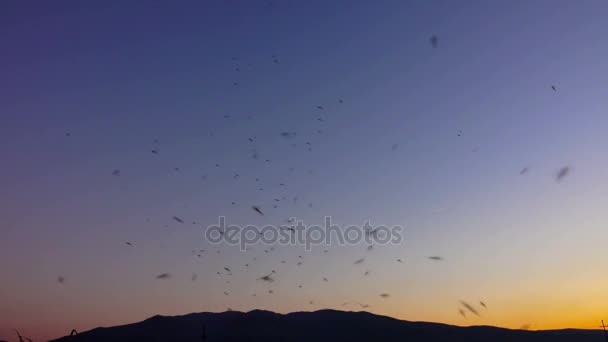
<point x="318" y="326"/>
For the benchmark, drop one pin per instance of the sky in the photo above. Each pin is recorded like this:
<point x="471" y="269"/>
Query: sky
<point x="433" y="139"/>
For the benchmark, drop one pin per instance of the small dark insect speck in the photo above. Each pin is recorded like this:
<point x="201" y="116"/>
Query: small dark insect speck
<point x="163" y="276"/>
<point x="288" y="135"/>
<point x="434" y="41"/>
<point x="469" y="307"/>
<point x="436" y="258"/>
<point x="116" y="172"/>
<point x="257" y="210"/>
<point x="267" y="278"/>
<point x="562" y="173"/>
<point x="178" y="219"/>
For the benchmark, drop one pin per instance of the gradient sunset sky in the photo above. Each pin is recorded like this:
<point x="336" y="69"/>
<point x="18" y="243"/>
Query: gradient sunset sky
<point x="433" y="139"/>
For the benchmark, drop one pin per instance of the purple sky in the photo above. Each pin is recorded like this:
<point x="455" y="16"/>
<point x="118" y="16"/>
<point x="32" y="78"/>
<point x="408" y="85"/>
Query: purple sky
<point x="466" y="118"/>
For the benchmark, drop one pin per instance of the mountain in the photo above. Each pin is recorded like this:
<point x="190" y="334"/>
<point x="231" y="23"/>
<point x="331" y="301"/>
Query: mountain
<point x="318" y="326"/>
